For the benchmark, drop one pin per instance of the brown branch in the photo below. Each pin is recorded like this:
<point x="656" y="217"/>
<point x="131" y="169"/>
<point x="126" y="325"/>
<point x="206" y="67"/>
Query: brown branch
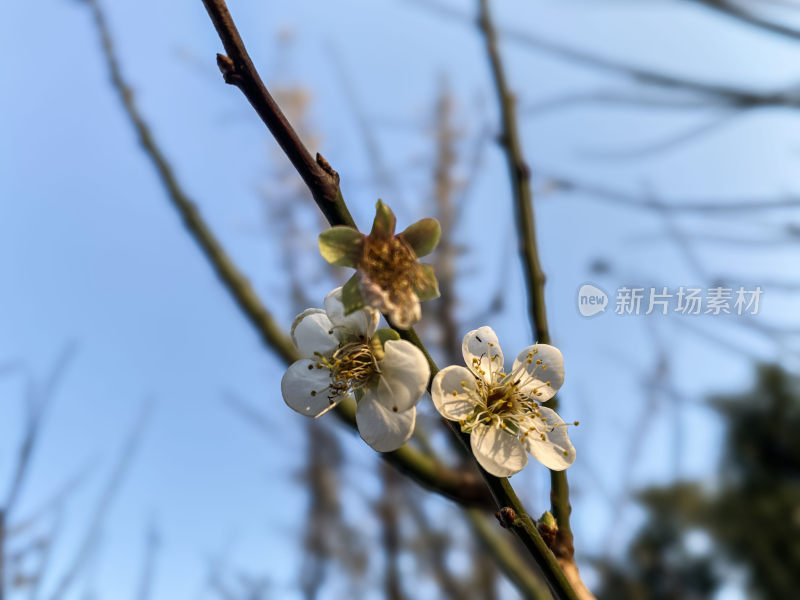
<point x="238" y="68"/>
<point x="728" y="95"/>
<point x="562" y="183"/>
<point x="520" y="175"/>
<point x="460" y="486"/>
<point x="443" y="197"/>
<point x="107" y="496"/>
<point x="506" y="558"/>
<point x="747" y="17"/>
<point x="39" y="399"/>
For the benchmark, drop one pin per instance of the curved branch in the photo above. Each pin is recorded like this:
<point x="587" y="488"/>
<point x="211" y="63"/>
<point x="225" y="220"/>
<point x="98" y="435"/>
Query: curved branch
<point x="239" y="70"/>
<point x="723" y="94"/>
<point x="460" y="486"/>
<point x="747" y="17"/>
<point x="520" y="176"/>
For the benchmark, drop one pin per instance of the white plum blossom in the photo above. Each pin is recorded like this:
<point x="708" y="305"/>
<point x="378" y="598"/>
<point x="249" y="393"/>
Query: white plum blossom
<point x="343" y="354"/>
<point x="503" y="412"/>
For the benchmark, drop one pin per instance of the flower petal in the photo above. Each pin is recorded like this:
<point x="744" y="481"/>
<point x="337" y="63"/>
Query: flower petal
<point x="555" y="452"/>
<point x="402" y="310"/>
<point x="454" y="392"/>
<point x="543" y="367"/>
<point x="482" y="353"/>
<point x="404" y="374"/>
<point x="497" y="451"/>
<point x="382" y="428"/>
<point x="312" y="331"/>
<point x="305" y="388"/>
<point x="362" y="322"/>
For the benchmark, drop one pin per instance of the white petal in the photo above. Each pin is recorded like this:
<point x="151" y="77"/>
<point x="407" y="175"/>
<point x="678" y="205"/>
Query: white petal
<point x="498" y="451"/>
<point x="362" y="322"/>
<point x="546" y="377"/>
<point x="404" y="376"/>
<point x="312" y="331"/>
<point x="406" y="312"/>
<point x="555" y="452"/>
<point x="482" y="353"/>
<point x="304" y="388"/>
<point x="455" y="392"/>
<point x="381" y="428"/>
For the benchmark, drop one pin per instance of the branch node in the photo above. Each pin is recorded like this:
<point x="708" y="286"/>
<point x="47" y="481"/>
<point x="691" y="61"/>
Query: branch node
<point x="506" y="516"/>
<point x="228" y="69"/>
<point x="327" y="167"/>
<point x="522" y="170"/>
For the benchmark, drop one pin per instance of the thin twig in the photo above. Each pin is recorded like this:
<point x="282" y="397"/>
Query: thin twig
<point x="104" y="502"/>
<point x="568" y="184"/>
<point x="239" y="67"/>
<point x="507" y="559"/>
<point x="457" y="485"/>
<point x="747" y="17"/>
<point x="520" y="176"/>
<point x="39" y="399"/>
<point x="722" y="94"/>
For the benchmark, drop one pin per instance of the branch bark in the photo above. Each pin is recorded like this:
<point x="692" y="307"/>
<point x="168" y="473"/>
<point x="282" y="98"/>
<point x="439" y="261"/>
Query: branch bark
<point x="238" y="69"/>
<point x="520" y="176"/>
<point x="460" y="486"/>
<point x="728" y="95"/>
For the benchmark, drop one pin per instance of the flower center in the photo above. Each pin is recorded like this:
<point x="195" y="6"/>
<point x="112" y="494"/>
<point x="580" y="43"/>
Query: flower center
<point x="501" y="400"/>
<point x="391" y="264"/>
<point x="351" y="366"/>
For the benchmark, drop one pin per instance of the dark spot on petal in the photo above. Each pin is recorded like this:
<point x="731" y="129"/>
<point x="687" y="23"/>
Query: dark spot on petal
<point x="479" y="339"/>
<point x="394" y="408"/>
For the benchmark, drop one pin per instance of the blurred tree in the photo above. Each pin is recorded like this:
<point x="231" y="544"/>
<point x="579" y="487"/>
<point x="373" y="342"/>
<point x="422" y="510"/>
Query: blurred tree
<point x="752" y="513"/>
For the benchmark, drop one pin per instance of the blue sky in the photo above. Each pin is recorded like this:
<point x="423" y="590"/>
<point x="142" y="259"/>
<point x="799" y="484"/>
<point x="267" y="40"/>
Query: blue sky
<point x="92" y="253"/>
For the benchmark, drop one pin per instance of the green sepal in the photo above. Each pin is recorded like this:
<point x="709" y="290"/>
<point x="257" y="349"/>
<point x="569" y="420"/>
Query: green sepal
<point x="341" y="246"/>
<point x="426" y="287"/>
<point x="351" y="296"/>
<point x="422" y="236"/>
<point x="384" y="223"/>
